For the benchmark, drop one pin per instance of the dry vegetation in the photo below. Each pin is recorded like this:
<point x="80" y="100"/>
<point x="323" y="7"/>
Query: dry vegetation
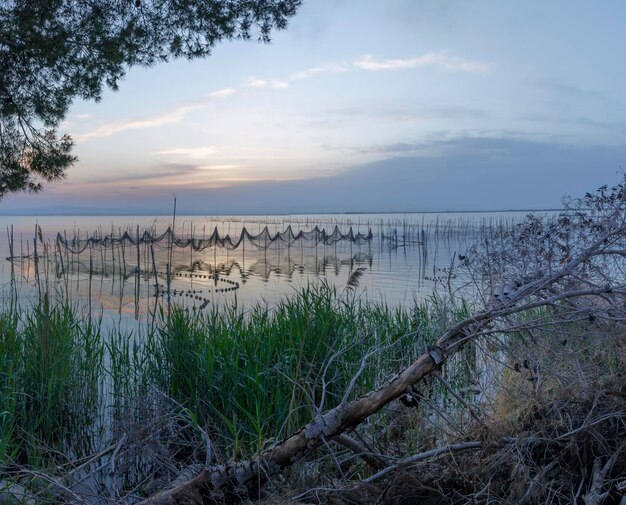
<point x="552" y="431"/>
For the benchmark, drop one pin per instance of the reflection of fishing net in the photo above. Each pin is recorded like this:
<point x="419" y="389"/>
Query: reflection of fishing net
<point x="131" y="271"/>
<point x="262" y="240"/>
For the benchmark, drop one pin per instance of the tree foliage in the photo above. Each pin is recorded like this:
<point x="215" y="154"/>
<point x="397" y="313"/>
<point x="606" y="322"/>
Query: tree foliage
<point x="53" y="51"/>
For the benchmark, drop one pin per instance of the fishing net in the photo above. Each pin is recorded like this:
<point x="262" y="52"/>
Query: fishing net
<point x="263" y="240"/>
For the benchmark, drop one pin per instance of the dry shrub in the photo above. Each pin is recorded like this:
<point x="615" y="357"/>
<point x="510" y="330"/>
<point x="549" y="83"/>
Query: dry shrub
<point x="542" y="437"/>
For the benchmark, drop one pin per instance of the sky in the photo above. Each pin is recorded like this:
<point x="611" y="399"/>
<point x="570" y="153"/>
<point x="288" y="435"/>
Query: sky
<point x="364" y="106"/>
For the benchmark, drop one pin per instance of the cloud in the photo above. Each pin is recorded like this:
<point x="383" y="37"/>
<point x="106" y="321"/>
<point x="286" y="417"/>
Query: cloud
<point x="369" y="62"/>
<point x="411" y="114"/>
<point x="253" y="82"/>
<point x="171" y="116"/>
<point x="559" y="88"/>
<point x="487" y="143"/>
<point x="193" y="153"/>
<point x="119" y="126"/>
<point x="460" y="173"/>
<point x="163" y="171"/>
<point x="309" y="72"/>
<point x="221" y="93"/>
<point x="189" y="175"/>
<point x="443" y="60"/>
<point x="220" y="167"/>
<point x="277" y="84"/>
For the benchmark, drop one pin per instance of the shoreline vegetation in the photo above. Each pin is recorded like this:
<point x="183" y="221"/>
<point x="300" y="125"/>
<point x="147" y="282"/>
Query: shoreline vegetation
<point x="251" y="377"/>
<point x="513" y="394"/>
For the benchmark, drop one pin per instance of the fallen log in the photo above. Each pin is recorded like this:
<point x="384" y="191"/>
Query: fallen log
<point x="223" y="483"/>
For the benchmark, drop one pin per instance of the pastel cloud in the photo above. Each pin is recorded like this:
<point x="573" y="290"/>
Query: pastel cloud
<point x="441" y="59"/>
<point x="278" y="84"/>
<point x="192" y="153"/>
<point x="367" y="62"/>
<point x="220" y="93"/>
<point x="168" y="117"/>
<point x="253" y="82"/>
<point x="220" y="167"/>
<point x="309" y="72"/>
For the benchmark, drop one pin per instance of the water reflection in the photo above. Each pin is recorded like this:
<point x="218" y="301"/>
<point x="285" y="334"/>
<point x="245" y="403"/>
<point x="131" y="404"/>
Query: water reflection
<point x="402" y="259"/>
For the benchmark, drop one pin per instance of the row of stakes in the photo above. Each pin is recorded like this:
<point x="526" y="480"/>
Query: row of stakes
<point x="195" y="293"/>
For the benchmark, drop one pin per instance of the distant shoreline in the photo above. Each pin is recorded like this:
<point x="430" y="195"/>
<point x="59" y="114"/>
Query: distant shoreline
<point x="111" y="213"/>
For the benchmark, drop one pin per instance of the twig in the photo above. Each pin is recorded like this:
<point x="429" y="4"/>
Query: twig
<point x="451" y="390"/>
<point x="376" y="461"/>
<point x="462" y="446"/>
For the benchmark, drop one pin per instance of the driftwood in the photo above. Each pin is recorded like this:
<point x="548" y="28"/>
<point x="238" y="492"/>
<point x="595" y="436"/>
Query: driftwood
<point x="542" y="288"/>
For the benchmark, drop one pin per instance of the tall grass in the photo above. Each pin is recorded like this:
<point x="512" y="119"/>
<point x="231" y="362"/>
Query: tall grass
<point x="50" y="368"/>
<point x="244" y="378"/>
<point x="250" y="378"/>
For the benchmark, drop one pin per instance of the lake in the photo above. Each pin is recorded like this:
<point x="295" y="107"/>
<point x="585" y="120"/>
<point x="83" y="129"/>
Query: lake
<point x="399" y="257"/>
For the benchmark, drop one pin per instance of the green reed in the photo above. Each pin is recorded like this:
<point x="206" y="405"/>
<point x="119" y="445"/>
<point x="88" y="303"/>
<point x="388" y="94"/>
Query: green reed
<point x="252" y="377"/>
<point x="243" y="377"/>
<point x="50" y="368"/>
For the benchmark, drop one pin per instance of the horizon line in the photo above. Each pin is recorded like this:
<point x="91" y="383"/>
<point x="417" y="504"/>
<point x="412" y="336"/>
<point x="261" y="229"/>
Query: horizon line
<point x="111" y="213"/>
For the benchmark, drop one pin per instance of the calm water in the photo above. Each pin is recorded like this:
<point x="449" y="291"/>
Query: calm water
<point x="406" y="256"/>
